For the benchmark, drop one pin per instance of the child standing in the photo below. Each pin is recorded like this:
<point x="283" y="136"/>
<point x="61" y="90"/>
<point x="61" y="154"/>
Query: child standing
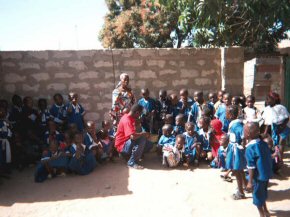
<point x="220" y="99"/>
<point x="16" y="113"/>
<point x="174" y="104"/>
<point x="58" y="111"/>
<point x="236" y="153"/>
<point x="221" y="111"/>
<point x="148" y="110"/>
<point x="206" y="138"/>
<point x="259" y="166"/>
<point x="75" y="112"/>
<point x="192" y="149"/>
<point x="43" y="115"/>
<point x="251" y="113"/>
<point x="185" y="103"/>
<point x="172" y="154"/>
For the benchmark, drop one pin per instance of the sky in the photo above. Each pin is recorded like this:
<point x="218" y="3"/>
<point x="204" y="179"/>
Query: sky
<point x="51" y="24"/>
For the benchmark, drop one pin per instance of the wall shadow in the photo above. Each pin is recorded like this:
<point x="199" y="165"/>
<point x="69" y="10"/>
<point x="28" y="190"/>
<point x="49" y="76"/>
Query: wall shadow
<point x="106" y="180"/>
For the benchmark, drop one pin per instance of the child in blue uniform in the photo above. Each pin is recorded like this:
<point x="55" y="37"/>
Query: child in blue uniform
<point x="236" y="160"/>
<point x="43" y="115"/>
<point x="148" y="110"/>
<point x="83" y="161"/>
<point x="221" y="111"/>
<point x="174" y="104"/>
<point x="75" y="112"/>
<point x="107" y="138"/>
<point x="221" y="162"/>
<point x="58" y="111"/>
<point x="179" y="125"/>
<point x="52" y="134"/>
<point x="91" y="141"/>
<point x="192" y="147"/>
<point x="206" y="137"/>
<point x="166" y="138"/>
<point x="259" y="166"/>
<point x="163" y="107"/>
<point x="5" y="149"/>
<point x="197" y="108"/>
<point x="185" y="103"/>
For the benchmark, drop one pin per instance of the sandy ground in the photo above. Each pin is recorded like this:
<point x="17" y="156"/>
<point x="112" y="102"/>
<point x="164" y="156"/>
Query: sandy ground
<point x="114" y="190"/>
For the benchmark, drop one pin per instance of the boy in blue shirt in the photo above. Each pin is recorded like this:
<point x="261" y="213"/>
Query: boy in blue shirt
<point x="166" y="139"/>
<point x="179" y="125"/>
<point x="58" y="111"/>
<point x="148" y="110"/>
<point x="185" y="103"/>
<point x="259" y="164"/>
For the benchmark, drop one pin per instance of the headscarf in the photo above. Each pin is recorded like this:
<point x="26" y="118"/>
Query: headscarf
<point x="217" y="125"/>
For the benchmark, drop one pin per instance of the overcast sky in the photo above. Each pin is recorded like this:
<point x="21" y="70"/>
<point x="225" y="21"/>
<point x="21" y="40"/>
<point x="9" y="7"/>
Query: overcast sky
<point x="51" y="24"/>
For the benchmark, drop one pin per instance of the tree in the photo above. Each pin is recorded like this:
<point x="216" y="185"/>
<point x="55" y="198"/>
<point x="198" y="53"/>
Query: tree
<point x="198" y="23"/>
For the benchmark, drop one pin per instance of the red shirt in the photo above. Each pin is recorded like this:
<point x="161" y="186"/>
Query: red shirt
<point x="125" y="129"/>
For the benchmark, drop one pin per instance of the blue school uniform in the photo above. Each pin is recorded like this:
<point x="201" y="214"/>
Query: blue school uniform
<point x="56" y="136"/>
<point x="76" y="116"/>
<point x="186" y="111"/>
<point x="235" y="152"/>
<point x="15" y="116"/>
<point x="5" y="149"/>
<point x="44" y="117"/>
<point x="276" y="135"/>
<point x="222" y="157"/>
<point x="148" y="107"/>
<point x="258" y="157"/>
<point x="189" y="141"/>
<point x="164" y="140"/>
<point x="178" y="130"/>
<point x="205" y="138"/>
<point x="83" y="165"/>
<point x="221" y="115"/>
<point x="89" y="142"/>
<point x="58" y="113"/>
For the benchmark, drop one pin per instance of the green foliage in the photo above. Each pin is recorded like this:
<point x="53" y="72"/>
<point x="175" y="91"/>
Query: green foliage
<point x="199" y="23"/>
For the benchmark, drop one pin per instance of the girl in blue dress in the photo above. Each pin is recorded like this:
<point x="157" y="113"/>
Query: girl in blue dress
<point x="236" y="160"/>
<point x="75" y="112"/>
<point x="221" y="111"/>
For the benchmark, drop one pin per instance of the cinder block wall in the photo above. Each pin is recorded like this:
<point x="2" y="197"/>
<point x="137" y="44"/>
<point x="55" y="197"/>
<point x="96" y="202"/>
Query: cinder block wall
<point x="94" y="73"/>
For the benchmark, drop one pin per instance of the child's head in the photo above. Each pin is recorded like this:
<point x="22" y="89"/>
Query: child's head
<point x="91" y="127"/>
<point x="168" y="119"/>
<point x="204" y="123"/>
<point x="53" y="146"/>
<point x="273" y="99"/>
<point x="179" y="120"/>
<point x="269" y="141"/>
<point x="17" y="100"/>
<point x="183" y="93"/>
<point x="28" y="102"/>
<point x="174" y="99"/>
<point x="4" y="104"/>
<point x="189" y="127"/>
<point x="106" y="125"/>
<point x="179" y="141"/>
<point x="207" y="112"/>
<point x="73" y="128"/>
<point x="227" y="99"/>
<point x="145" y="93"/>
<point x="199" y="97"/>
<point x="232" y="112"/>
<point x="236" y="100"/>
<point x="250" y="101"/>
<point x="42" y="104"/>
<point x="51" y="126"/>
<point x="78" y="138"/>
<point x="73" y="97"/>
<point x="251" y="130"/>
<point x="167" y="130"/>
<point x="58" y="99"/>
<point x="162" y="95"/>
<point x="67" y="138"/>
<point x="3" y="112"/>
<point x="212" y="97"/>
<point x="224" y="140"/>
<point x="220" y="94"/>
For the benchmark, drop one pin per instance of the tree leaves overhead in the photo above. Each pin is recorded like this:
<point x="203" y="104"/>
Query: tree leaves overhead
<point x="198" y="23"/>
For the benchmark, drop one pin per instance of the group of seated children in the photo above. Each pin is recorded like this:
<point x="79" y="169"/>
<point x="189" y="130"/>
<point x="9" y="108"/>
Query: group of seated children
<point x="56" y="139"/>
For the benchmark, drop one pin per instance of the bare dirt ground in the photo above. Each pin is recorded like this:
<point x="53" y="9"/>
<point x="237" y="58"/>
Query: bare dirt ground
<point x="114" y="190"/>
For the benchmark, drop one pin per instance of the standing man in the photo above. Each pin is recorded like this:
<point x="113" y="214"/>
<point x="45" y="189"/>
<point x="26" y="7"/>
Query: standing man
<point x="129" y="143"/>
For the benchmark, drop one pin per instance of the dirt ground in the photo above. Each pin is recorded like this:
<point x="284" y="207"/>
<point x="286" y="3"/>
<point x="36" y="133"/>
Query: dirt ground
<point x="114" y="190"/>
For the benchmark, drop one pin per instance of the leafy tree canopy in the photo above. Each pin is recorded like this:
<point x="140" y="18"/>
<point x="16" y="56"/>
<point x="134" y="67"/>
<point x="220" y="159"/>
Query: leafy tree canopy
<point x="198" y="23"/>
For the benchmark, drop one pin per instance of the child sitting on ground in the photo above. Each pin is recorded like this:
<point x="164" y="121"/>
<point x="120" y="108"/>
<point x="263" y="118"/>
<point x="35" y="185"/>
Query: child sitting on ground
<point x="259" y="164"/>
<point x="107" y="138"/>
<point x="166" y="139"/>
<point x="172" y="154"/>
<point x="206" y="137"/>
<point x="179" y="125"/>
<point x="52" y="134"/>
<point x="75" y="112"/>
<point x="192" y="144"/>
<point x="83" y="161"/>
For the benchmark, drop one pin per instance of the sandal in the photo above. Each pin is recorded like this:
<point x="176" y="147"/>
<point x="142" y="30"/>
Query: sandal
<point x="238" y="196"/>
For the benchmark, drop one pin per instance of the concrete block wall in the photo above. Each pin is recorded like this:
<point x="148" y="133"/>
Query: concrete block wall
<point x="94" y="73"/>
